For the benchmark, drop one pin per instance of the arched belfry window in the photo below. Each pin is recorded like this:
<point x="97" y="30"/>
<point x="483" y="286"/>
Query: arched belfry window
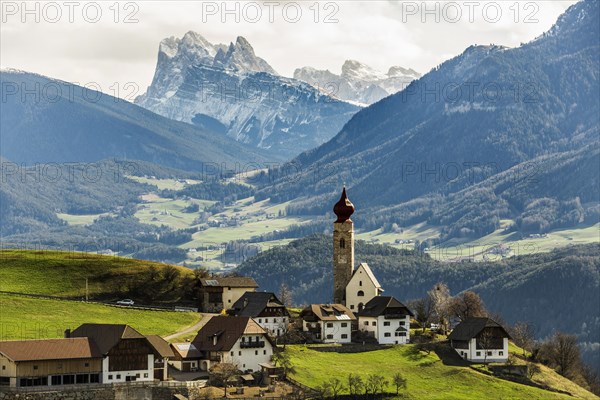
<point x="360" y="293"/>
<point x="342" y="243"/>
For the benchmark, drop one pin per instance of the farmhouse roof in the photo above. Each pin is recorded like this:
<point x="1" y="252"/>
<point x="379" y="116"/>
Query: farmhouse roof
<point x="251" y="304"/>
<point x="471" y="327"/>
<point x="161" y="346"/>
<point x="328" y="312"/>
<point x="230" y="281"/>
<point x="106" y="336"/>
<point x="384" y="305"/>
<point x="49" y="349"/>
<point x="227" y="331"/>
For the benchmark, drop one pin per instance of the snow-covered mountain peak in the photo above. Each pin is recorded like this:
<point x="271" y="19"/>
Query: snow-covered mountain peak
<point x="357" y="70"/>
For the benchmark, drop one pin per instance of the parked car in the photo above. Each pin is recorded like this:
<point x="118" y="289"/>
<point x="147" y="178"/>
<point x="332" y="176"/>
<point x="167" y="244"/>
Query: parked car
<point x="126" y="302"/>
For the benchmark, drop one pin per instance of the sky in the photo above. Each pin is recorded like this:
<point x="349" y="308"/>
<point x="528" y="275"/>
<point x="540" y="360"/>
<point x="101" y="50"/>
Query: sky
<point x="114" y="45"/>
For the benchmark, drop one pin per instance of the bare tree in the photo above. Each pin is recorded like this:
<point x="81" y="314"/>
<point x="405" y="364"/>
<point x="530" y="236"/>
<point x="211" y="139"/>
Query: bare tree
<point x="424" y="310"/>
<point x="466" y="305"/>
<point x="355" y="384"/>
<point x="223" y="372"/>
<point x="375" y="384"/>
<point x="562" y="352"/>
<point x="440" y="297"/>
<point x="486" y="341"/>
<point x="282" y="359"/>
<point x="399" y="381"/>
<point x="523" y="335"/>
<point x="285" y="295"/>
<point x="532" y="370"/>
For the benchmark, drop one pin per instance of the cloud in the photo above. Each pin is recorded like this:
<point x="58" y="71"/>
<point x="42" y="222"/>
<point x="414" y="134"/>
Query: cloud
<point x="379" y="33"/>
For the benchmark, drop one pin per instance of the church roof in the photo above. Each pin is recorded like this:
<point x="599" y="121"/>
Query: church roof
<point x="344" y="208"/>
<point x="369" y="273"/>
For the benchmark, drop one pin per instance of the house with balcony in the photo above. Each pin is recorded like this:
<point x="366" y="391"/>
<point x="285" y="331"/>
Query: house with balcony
<point x="266" y="309"/>
<point x="328" y="323"/>
<point x="386" y="319"/>
<point x="480" y="339"/>
<point x="235" y="340"/>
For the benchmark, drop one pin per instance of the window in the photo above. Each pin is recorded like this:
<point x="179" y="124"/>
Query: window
<point x="329" y="336"/>
<point x="366" y="323"/>
<point x="56" y="380"/>
<point x="260" y="320"/>
<point x="240" y="353"/>
<point x="352" y="306"/>
<point x="35" y="367"/>
<point x="82" y="378"/>
<point x="137" y="375"/>
<point x="400" y="334"/>
<point x="402" y="323"/>
<point x="387" y="334"/>
<point x="146" y="375"/>
<point x="360" y="293"/>
<point x="344" y="336"/>
<point x="265" y="352"/>
<point x="232" y="353"/>
<point x="478" y="354"/>
<point x="69" y="379"/>
<point x="359" y="283"/>
<point x="344" y="324"/>
<point x="255" y="352"/>
<point x="86" y="364"/>
<point x="110" y="377"/>
<point x="386" y="323"/>
<point x="342" y="243"/>
<point x="489" y="353"/>
<point x="94" y="378"/>
<point x="330" y="324"/>
<point x="118" y="376"/>
<point x="500" y="353"/>
<point x="374" y="323"/>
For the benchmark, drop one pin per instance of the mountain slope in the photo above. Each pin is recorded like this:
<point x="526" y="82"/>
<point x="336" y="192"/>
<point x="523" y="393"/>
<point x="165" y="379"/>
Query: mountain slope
<point x="474" y="116"/>
<point x="63" y="122"/>
<point x="231" y="90"/>
<point x="358" y="82"/>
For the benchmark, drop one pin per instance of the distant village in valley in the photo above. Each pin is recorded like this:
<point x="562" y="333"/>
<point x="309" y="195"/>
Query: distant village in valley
<point x="241" y="340"/>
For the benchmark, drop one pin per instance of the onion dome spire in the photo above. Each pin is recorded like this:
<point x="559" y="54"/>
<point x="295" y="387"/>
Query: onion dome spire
<point x="343" y="208"/>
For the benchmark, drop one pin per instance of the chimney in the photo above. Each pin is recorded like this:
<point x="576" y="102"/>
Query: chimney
<point x="67" y="333"/>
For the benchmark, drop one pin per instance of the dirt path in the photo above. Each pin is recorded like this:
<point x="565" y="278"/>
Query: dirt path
<point x="194" y="328"/>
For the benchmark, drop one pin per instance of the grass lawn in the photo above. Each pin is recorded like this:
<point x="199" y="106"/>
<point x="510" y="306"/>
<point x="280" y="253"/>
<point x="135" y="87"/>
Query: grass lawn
<point x="61" y="273"/>
<point x="30" y="318"/>
<point x="427" y="375"/>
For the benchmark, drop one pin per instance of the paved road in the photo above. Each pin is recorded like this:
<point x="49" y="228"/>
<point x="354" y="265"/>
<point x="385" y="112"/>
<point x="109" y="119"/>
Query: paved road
<point x="194" y="328"/>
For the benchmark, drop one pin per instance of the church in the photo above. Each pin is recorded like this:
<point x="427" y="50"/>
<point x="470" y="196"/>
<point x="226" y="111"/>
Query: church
<point x="351" y="287"/>
<point x="358" y="304"/>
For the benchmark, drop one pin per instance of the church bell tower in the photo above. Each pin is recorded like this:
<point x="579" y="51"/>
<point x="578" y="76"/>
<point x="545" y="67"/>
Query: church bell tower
<point x="343" y="248"/>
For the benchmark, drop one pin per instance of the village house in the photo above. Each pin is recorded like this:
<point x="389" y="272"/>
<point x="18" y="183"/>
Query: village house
<point x="480" y="339"/>
<point x="164" y="354"/>
<point x="362" y="288"/>
<point x="49" y="362"/>
<point x="220" y="293"/>
<point x="266" y="309"/>
<point x="187" y="357"/>
<point x="329" y="323"/>
<point x="235" y="340"/>
<point x="127" y="354"/>
<point x="386" y="319"/>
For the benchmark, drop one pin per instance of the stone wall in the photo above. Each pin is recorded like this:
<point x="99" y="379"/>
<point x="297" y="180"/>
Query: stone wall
<point x="105" y="393"/>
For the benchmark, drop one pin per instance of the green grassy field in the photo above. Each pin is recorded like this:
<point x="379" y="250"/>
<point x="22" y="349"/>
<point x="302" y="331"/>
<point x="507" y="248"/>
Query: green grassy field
<point x="63" y="274"/>
<point x="30" y="318"/>
<point x="428" y="377"/>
